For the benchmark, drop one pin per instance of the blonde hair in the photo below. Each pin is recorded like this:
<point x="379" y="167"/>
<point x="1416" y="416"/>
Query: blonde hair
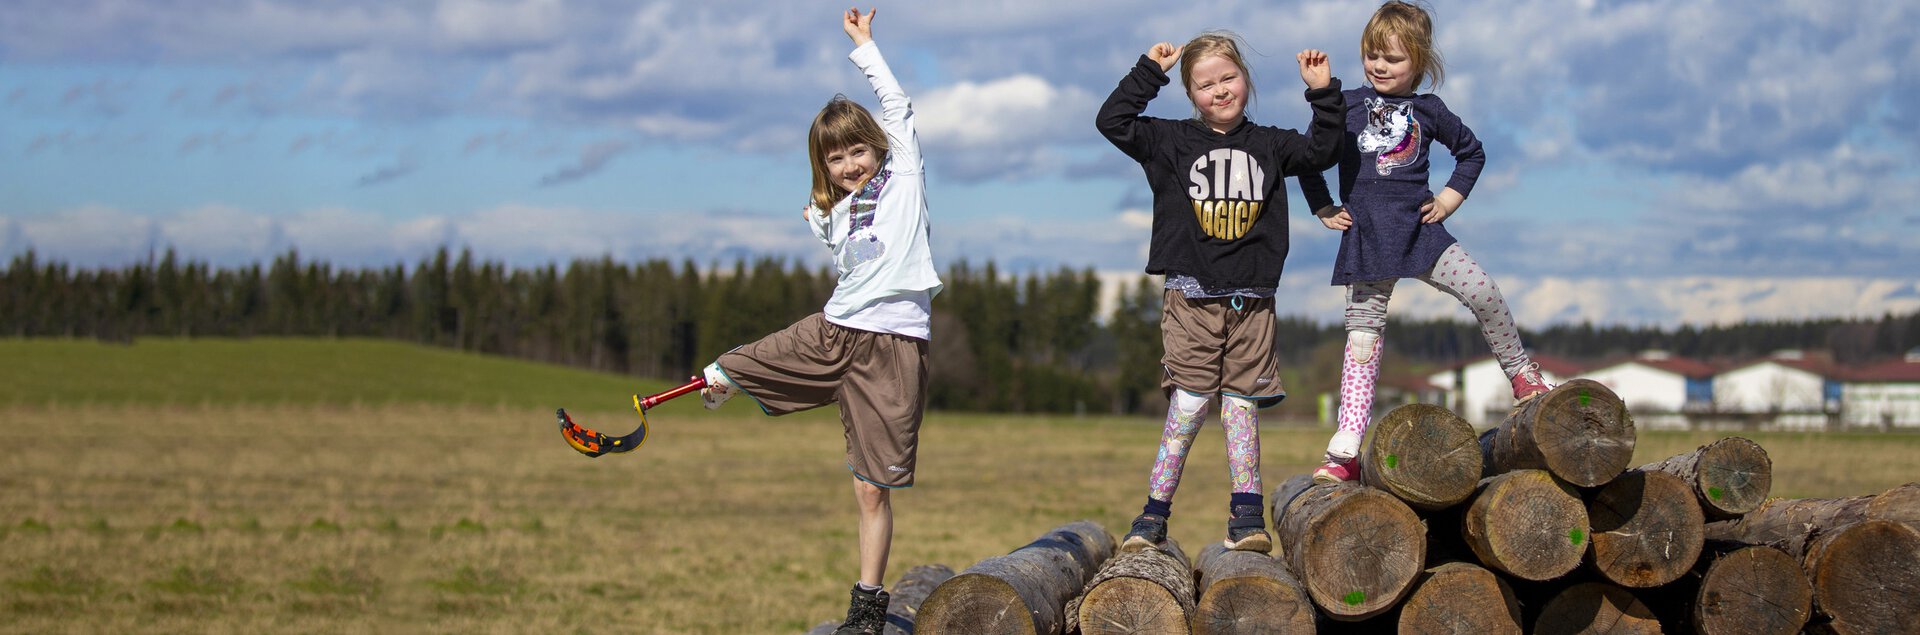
<point x="840" y="124"/>
<point x="1225" y="44"/>
<point x="1411" y="24"/>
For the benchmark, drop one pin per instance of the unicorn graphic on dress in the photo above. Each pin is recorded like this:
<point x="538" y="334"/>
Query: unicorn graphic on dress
<point x="1391" y="133"/>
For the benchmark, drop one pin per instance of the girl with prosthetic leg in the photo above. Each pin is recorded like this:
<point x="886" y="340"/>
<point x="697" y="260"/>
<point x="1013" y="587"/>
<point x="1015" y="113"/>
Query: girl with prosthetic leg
<point x="1220" y="238"/>
<point x="1391" y="223"/>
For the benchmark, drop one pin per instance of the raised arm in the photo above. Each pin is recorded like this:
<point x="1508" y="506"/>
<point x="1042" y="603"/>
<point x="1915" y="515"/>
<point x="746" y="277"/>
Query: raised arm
<point x="1119" y="119"/>
<point x="1319" y="149"/>
<point x="896" y="111"/>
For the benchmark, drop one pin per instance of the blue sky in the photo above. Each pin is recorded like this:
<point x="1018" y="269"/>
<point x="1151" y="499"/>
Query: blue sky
<point x="1648" y="162"/>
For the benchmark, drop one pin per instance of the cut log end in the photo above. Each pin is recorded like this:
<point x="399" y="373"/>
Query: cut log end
<point x="1528" y="524"/>
<point x="1759" y="590"/>
<point x="1735" y="477"/>
<point x="1866" y="577"/>
<point x="1584" y="433"/>
<point x="1647" y="529"/>
<point x="1459" y="597"/>
<point x="1596" y="607"/>
<point x="974" y="603"/>
<point x="1423" y="454"/>
<point x="1243" y="592"/>
<point x="1124" y="606"/>
<point x="1356" y="548"/>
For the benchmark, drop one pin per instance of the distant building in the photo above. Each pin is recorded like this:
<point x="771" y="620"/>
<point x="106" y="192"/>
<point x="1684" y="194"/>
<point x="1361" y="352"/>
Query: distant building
<point x="1482" y="394"/>
<point x="1658" y="387"/>
<point x="1885" y="395"/>
<point x="1791" y="389"/>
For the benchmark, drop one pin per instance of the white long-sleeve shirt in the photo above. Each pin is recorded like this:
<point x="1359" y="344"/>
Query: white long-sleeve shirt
<point x="879" y="234"/>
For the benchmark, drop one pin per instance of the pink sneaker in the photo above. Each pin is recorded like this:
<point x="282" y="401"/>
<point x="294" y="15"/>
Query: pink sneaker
<point x="1528" y="383"/>
<point x="1335" y="472"/>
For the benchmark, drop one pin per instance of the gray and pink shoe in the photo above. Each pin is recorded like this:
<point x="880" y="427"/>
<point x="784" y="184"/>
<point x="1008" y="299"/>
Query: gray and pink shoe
<point x="1528" y="383"/>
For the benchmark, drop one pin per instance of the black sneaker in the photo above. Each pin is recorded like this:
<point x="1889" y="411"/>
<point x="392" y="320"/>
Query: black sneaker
<point x="1247" y="530"/>
<point x="866" y="614"/>
<point x="1149" y="530"/>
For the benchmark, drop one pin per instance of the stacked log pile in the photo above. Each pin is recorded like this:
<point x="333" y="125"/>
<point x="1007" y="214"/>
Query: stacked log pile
<point x="1538" y="525"/>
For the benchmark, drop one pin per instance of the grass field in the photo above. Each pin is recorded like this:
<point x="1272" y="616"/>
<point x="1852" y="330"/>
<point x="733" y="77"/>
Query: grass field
<point x="410" y="514"/>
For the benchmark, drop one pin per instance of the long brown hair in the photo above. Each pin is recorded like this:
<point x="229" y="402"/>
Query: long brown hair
<point x="840" y="124"/>
<point x="1410" y="23"/>
<point x="1224" y="44"/>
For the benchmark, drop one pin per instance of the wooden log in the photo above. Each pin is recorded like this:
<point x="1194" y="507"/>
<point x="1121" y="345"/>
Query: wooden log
<point x="1461" y="597"/>
<point x="1647" y="529"/>
<point x="1738" y="589"/>
<point x="908" y="593"/>
<point x="1790" y="524"/>
<point x="1866" y="578"/>
<point x="1596" y="607"/>
<point x="1528" y="524"/>
<point x="1147" y="591"/>
<point x="1022" y="592"/>
<point x="1424" y="455"/>
<point x="1900" y="504"/>
<point x="1248" y="593"/>
<point x="1357" y="549"/>
<point x="1730" y="477"/>
<point x="1580" y="431"/>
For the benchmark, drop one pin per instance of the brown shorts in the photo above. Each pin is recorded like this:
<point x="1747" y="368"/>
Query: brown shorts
<point x="879" y="379"/>
<point x="1210" y="346"/>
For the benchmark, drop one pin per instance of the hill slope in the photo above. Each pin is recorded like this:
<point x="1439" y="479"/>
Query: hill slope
<point x="291" y="371"/>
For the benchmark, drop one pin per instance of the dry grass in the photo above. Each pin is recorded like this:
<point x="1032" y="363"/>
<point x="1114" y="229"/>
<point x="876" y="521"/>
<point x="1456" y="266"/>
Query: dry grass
<point x="476" y="520"/>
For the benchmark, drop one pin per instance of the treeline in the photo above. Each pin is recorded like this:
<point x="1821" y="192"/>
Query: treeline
<point x="1004" y="343"/>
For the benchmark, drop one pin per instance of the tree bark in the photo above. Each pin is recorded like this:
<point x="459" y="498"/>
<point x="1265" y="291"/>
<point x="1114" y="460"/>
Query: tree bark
<point x="1900" y="504"/>
<point x="1461" y="597"/>
<point x="1580" y="431"/>
<point x="1790" y="524"/>
<point x="1357" y="549"/>
<point x="1021" y="592"/>
<point x="1596" y="607"/>
<point x="1147" y="591"/>
<point x="1730" y="477"/>
<point x="1248" y="593"/>
<point x="1528" y="524"/>
<point x="907" y="594"/>
<point x="1424" y="455"/>
<point x="1647" y="529"/>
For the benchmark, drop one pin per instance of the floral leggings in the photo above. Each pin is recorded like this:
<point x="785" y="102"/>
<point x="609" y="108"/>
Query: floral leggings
<point x="1185" y="415"/>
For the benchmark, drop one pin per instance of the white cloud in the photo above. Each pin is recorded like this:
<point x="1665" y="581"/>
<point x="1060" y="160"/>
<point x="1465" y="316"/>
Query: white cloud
<point x="485" y="24"/>
<point x="1019" y="110"/>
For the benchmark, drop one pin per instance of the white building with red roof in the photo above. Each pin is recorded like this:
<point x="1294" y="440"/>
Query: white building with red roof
<point x="1481" y="393"/>
<point x="1884" y="395"/>
<point x="1793" y="389"/>
<point x="1658" y="387"/>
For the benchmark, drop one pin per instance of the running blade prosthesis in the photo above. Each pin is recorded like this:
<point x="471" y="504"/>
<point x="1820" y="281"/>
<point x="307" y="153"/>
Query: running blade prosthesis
<point x="593" y="443"/>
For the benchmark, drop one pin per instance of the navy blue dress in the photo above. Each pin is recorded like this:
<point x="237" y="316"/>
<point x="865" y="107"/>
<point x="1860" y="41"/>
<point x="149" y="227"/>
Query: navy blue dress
<point x="1383" y="179"/>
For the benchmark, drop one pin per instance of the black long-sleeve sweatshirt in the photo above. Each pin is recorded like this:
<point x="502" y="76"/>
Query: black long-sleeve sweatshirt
<point x="1219" y="200"/>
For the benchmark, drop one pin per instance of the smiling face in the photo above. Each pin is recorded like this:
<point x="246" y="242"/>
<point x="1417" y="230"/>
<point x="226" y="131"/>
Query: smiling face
<point x="850" y="167"/>
<point x="1218" y="88"/>
<point x="1390" y="69"/>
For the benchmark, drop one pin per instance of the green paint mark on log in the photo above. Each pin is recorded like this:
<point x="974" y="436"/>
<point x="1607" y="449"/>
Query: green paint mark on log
<point x="1393" y="460"/>
<point x="1584" y="398"/>
<point x="1355" y="598"/>
<point x="1577" y="536"/>
<point x="1715" y="493"/>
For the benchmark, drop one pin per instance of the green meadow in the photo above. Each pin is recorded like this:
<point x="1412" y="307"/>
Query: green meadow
<point x="334" y="486"/>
